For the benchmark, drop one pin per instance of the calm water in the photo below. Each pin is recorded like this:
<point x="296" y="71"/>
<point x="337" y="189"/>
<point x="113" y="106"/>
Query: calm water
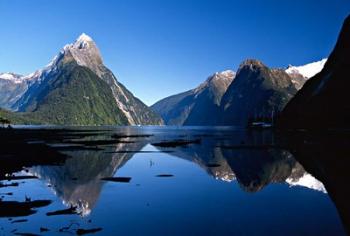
<point x="184" y="181"/>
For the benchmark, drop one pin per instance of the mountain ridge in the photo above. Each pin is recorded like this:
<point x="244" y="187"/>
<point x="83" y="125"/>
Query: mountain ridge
<point x="187" y="108"/>
<point x="300" y="74"/>
<point x="257" y="91"/>
<point x="272" y="89"/>
<point x="82" y="53"/>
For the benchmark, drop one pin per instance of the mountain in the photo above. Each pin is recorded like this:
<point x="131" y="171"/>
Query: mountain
<point x="196" y="106"/>
<point x="300" y="74"/>
<point x="76" y="88"/>
<point x="76" y="96"/>
<point x="227" y="98"/>
<point x="322" y="103"/>
<point x="16" y="117"/>
<point x="12" y="87"/>
<point x="257" y="91"/>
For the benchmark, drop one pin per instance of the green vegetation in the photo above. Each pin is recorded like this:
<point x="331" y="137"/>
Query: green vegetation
<point x="77" y="96"/>
<point x="15" y="118"/>
<point x="4" y="121"/>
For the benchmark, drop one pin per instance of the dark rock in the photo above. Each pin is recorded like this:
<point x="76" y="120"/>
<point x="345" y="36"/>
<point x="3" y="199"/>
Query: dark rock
<point x="323" y="101"/>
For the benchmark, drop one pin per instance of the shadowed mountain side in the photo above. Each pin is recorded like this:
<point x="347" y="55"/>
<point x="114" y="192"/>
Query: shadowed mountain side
<point x="256" y="92"/>
<point x="197" y="106"/>
<point x="323" y="101"/>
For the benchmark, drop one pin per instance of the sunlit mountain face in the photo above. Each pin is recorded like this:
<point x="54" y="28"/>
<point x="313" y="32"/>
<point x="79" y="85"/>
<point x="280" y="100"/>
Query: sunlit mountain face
<point x="75" y="88"/>
<point x="144" y="173"/>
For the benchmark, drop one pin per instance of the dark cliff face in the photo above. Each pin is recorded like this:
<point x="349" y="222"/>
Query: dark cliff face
<point x="323" y="100"/>
<point x="197" y="106"/>
<point x="257" y="91"/>
<point x="175" y="109"/>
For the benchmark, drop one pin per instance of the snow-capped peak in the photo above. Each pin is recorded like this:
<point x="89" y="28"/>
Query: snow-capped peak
<point x="7" y="76"/>
<point x="219" y="79"/>
<point x="83" y="42"/>
<point x="12" y="77"/>
<point x="84" y="37"/>
<point x="227" y="73"/>
<point x="85" y="52"/>
<point x="308" y="70"/>
<point x="223" y="75"/>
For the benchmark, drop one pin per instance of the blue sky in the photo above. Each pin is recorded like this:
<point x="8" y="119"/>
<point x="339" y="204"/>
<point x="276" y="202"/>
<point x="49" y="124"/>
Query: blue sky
<point x="160" y="47"/>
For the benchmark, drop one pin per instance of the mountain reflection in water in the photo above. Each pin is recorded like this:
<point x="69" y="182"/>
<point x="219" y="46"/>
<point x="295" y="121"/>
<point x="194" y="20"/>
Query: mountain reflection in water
<point x="253" y="159"/>
<point x="78" y="181"/>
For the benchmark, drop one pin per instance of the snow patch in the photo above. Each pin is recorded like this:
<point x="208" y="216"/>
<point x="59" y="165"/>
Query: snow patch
<point x="226" y="75"/>
<point x="17" y="79"/>
<point x="308" y="70"/>
<point x="7" y="76"/>
<point x="308" y="181"/>
<point x="84" y="37"/>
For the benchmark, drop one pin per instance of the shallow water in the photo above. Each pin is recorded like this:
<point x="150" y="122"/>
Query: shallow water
<point x="200" y="181"/>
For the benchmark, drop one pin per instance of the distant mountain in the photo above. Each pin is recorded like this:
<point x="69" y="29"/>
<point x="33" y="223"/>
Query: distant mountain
<point x="76" y="88"/>
<point x="257" y="91"/>
<point x="322" y="103"/>
<point x="300" y="74"/>
<point x="12" y="87"/>
<point x="227" y="98"/>
<point x="196" y="106"/>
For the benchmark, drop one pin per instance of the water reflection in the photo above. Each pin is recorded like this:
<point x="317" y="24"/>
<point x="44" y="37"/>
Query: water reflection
<point x="326" y="156"/>
<point x="79" y="160"/>
<point x="78" y="181"/>
<point x="253" y="168"/>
